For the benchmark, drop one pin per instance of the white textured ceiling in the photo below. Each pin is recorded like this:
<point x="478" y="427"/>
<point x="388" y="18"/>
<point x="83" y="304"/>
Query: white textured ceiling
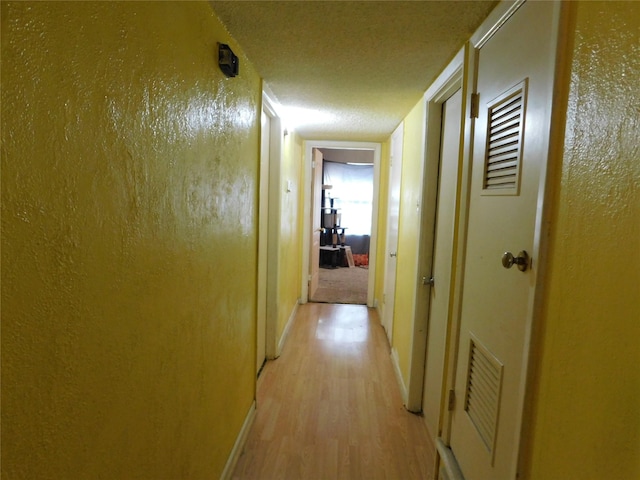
<point x="353" y="69"/>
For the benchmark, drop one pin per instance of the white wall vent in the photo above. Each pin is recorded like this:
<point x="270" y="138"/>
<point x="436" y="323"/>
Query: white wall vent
<point x="505" y="129"/>
<point x="482" y="398"/>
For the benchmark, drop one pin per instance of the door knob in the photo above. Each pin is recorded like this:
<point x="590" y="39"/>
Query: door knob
<point x="393" y="254"/>
<point x="522" y="260"/>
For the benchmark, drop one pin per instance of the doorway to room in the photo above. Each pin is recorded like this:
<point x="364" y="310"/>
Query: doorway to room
<point x="346" y="205"/>
<point x="342" y="222"/>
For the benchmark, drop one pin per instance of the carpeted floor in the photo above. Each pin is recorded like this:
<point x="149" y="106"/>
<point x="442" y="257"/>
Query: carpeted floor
<point x="342" y="285"/>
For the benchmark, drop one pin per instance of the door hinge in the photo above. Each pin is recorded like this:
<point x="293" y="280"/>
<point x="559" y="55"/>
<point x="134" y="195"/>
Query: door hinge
<point x="309" y="279"/>
<point x="475" y="105"/>
<point x="452" y="400"/>
<point x="313" y="164"/>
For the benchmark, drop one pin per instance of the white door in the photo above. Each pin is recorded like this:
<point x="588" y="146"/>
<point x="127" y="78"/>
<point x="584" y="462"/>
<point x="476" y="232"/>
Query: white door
<point x="442" y="262"/>
<point x="263" y="215"/>
<point x="395" y="175"/>
<point x="316" y="207"/>
<point x="514" y="83"/>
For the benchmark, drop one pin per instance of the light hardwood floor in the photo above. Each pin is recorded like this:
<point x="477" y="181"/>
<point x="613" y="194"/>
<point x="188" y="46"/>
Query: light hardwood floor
<point x="330" y="406"/>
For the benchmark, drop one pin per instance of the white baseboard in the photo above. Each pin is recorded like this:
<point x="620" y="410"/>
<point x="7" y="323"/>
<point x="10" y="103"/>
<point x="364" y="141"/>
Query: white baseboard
<point x="287" y="327"/>
<point x="239" y="445"/>
<point x="379" y="309"/>
<point x="396" y="368"/>
<point x="448" y="466"/>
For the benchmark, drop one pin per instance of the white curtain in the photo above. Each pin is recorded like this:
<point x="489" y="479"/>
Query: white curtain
<point x="352" y="191"/>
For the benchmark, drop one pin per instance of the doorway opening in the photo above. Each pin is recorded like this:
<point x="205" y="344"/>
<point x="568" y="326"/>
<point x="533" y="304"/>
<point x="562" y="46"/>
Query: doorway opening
<point x="342" y="184"/>
<point x="346" y="205"/>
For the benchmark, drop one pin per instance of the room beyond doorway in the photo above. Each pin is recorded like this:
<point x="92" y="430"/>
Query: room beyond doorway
<point x="342" y="285"/>
<point x="314" y="153"/>
<point x="346" y="206"/>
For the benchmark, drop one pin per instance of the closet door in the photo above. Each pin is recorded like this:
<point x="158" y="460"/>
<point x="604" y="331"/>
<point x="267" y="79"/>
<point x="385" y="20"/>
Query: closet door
<point x="515" y="86"/>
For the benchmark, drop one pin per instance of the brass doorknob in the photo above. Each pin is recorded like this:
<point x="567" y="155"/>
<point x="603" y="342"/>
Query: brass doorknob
<point x="522" y="260"/>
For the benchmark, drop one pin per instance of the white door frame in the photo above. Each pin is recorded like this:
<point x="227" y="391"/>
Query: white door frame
<point x="263" y="223"/>
<point x="306" y="229"/>
<point x="273" y="225"/>
<point x="498" y="17"/>
<point x="449" y="81"/>
<point x="316" y="212"/>
<point x="390" y="273"/>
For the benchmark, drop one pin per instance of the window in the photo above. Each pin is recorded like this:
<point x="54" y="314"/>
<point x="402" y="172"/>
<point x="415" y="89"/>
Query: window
<point x="352" y="191"/>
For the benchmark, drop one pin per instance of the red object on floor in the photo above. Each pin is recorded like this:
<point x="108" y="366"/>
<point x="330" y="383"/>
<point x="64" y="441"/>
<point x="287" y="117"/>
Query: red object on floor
<point x="360" y="259"/>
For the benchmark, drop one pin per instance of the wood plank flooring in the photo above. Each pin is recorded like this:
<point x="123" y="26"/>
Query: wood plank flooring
<point x="330" y="406"/>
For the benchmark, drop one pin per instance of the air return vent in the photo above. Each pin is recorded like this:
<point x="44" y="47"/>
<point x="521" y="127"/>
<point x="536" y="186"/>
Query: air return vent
<point x="505" y="127"/>
<point x="482" y="399"/>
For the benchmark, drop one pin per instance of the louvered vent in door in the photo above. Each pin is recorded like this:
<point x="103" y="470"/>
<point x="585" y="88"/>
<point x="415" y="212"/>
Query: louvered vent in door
<point x="482" y="398"/>
<point x="505" y="128"/>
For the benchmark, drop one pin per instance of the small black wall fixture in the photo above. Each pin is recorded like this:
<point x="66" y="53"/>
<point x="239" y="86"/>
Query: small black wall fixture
<point x="227" y="60"/>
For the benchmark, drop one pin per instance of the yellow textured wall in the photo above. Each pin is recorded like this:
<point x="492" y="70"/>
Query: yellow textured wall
<point x="290" y="242"/>
<point x="129" y="180"/>
<point x="383" y="208"/>
<point x="586" y="423"/>
<point x="408" y="235"/>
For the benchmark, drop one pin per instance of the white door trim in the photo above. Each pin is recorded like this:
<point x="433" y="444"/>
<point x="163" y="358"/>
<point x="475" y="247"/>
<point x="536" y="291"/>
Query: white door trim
<point x="263" y="223"/>
<point x="274" y="214"/>
<point x="389" y="291"/>
<point x="449" y="81"/>
<point x="306" y="229"/>
<point x="492" y="24"/>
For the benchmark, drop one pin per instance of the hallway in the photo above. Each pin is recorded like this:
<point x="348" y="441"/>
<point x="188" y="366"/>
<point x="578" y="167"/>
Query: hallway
<point x="330" y="406"/>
